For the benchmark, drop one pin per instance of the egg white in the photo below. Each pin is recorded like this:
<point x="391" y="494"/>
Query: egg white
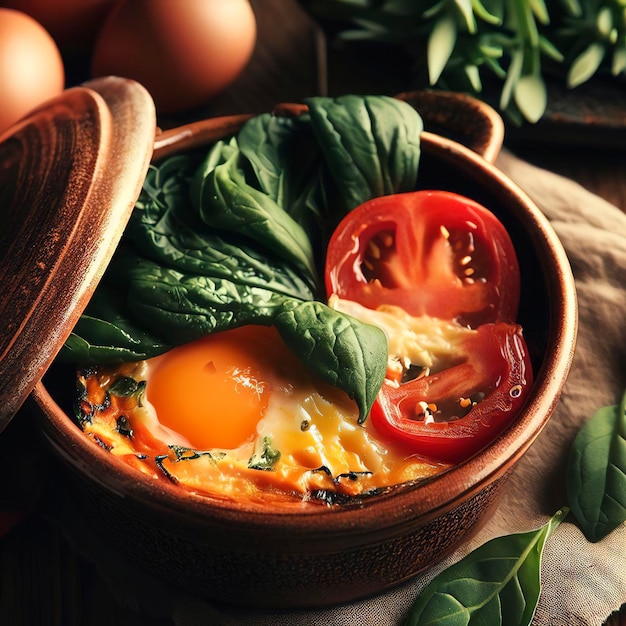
<point x="314" y="427"/>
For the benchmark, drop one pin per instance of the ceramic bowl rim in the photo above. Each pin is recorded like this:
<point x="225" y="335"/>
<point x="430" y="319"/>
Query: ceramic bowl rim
<point x="415" y="504"/>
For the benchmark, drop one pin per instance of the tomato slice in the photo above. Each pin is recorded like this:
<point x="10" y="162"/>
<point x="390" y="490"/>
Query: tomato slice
<point x="431" y="253"/>
<point x="452" y="414"/>
<point x="436" y="254"/>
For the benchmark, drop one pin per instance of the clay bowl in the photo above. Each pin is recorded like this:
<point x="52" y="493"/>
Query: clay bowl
<point x="257" y="555"/>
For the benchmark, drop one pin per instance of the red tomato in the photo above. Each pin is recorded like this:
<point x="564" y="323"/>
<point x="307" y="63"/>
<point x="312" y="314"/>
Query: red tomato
<point x="429" y="252"/>
<point x="436" y="254"/>
<point x="452" y="414"/>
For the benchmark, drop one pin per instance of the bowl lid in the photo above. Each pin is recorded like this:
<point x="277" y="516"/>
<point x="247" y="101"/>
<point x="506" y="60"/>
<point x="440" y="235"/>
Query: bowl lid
<point x="70" y="173"/>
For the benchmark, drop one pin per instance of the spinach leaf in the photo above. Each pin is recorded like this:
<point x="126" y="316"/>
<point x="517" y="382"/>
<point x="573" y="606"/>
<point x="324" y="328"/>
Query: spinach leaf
<point x="371" y="144"/>
<point x="180" y="306"/>
<point x="340" y="349"/>
<point x="498" y="583"/>
<point x="171" y="234"/>
<point x="287" y="165"/>
<point x="224" y="200"/>
<point x="236" y="236"/>
<point x="280" y="151"/>
<point x="596" y="474"/>
<point x="110" y="339"/>
<point x="267" y="141"/>
<point x="265" y="458"/>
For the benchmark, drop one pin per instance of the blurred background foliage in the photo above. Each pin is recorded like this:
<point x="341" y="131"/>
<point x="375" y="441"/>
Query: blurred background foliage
<point x="516" y="45"/>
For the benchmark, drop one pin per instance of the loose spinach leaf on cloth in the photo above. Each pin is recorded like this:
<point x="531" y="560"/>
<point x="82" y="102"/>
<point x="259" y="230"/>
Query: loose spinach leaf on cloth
<point x="236" y="235"/>
<point x="596" y="475"/>
<point x="499" y="583"/>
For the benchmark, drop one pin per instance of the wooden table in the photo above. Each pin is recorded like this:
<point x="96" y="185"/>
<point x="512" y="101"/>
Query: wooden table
<point x="43" y="581"/>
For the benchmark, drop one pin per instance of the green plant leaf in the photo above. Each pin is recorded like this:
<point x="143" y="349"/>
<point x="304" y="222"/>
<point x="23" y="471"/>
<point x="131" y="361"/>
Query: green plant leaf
<point x="440" y="46"/>
<point x="466" y="9"/>
<point x="512" y="77"/>
<point x="539" y="30"/>
<point x="586" y="64"/>
<point x="225" y="201"/>
<point x="342" y="350"/>
<point x="473" y="75"/>
<point x="572" y="8"/>
<point x="604" y="23"/>
<point x="499" y="583"/>
<point x="485" y="13"/>
<point x="371" y="144"/>
<point x="619" y="60"/>
<point x="111" y="340"/>
<point x="286" y="164"/>
<point x="531" y="97"/>
<point x="596" y="473"/>
<point x="550" y="50"/>
<point x="282" y="154"/>
<point x="540" y="11"/>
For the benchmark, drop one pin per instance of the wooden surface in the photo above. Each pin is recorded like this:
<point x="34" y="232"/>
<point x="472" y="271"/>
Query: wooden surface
<point x="43" y="580"/>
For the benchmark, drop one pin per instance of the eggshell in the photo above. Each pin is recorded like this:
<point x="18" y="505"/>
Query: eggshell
<point x="183" y="52"/>
<point x="73" y="24"/>
<point x="31" y="67"/>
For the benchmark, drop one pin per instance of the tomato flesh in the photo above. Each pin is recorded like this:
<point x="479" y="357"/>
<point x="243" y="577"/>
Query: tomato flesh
<point x="437" y="254"/>
<point x="452" y="414"/>
<point x="430" y="253"/>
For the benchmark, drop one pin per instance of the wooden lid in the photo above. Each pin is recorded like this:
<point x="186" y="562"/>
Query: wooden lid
<point x="70" y="173"/>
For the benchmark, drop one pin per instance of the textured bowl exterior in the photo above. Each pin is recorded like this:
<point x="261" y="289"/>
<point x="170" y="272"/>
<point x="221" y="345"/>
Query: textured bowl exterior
<point x="309" y="555"/>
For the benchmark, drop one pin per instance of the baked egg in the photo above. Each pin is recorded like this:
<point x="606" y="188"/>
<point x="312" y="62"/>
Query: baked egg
<point x="237" y="415"/>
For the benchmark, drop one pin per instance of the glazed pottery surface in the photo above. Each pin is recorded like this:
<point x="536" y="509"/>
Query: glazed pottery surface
<point x="311" y="555"/>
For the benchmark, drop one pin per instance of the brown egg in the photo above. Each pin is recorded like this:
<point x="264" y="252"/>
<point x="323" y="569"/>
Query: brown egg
<point x="31" y="68"/>
<point x="182" y="51"/>
<point x="72" y="23"/>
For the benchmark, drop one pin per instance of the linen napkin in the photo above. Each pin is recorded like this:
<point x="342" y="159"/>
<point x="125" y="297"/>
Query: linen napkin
<point x="583" y="582"/>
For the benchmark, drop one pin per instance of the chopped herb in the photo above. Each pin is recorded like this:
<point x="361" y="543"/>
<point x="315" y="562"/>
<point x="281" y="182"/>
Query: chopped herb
<point x="266" y="459"/>
<point x="126" y="386"/>
<point x="158" y="460"/>
<point x="189" y="454"/>
<point x="123" y="426"/>
<point x="351" y="476"/>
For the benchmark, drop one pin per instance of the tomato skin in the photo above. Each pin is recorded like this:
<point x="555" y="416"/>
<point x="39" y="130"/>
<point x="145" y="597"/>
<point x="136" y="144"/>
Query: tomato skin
<point x="494" y="364"/>
<point x="448" y="257"/>
<point x="436" y="254"/>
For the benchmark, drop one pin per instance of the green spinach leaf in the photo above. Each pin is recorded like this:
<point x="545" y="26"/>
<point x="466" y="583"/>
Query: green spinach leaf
<point x="497" y="584"/>
<point x="287" y="165"/>
<point x="371" y="144"/>
<point x="225" y="201"/>
<point x="281" y="152"/>
<point x="236" y="236"/>
<point x="109" y="339"/>
<point x="340" y="349"/>
<point x="596" y="475"/>
<point x="265" y="458"/>
<point x="180" y="306"/>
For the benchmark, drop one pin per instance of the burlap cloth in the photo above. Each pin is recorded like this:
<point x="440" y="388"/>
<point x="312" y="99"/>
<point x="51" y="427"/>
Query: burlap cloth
<point x="582" y="582"/>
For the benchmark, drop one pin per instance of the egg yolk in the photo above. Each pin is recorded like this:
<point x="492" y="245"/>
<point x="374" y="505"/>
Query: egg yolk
<point x="213" y="391"/>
